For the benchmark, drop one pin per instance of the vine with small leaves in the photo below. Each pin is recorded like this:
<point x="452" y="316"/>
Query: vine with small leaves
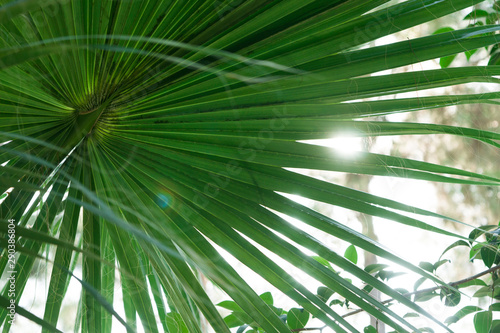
<point x="477" y="17"/>
<point x="484" y="246"/>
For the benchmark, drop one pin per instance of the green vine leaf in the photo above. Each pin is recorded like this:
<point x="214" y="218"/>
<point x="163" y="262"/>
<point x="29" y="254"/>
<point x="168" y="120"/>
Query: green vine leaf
<point x="483" y="321"/>
<point x="351" y="254"/>
<point x="297" y="318"/>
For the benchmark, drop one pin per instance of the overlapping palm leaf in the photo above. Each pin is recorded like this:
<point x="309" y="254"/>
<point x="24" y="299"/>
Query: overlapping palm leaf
<point x="165" y="130"/>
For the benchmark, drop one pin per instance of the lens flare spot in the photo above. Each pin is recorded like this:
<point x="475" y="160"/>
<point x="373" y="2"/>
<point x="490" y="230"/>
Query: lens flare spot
<point x="347" y="145"/>
<point x="164" y="200"/>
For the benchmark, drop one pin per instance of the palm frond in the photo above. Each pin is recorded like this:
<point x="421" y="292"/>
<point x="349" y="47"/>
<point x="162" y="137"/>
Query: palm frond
<point x="142" y="136"/>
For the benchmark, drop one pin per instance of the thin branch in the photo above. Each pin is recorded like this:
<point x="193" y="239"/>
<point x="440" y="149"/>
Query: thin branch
<point x="452" y="284"/>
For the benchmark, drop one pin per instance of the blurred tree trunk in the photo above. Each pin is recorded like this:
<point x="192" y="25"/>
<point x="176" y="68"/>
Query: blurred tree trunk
<point x="362" y="182"/>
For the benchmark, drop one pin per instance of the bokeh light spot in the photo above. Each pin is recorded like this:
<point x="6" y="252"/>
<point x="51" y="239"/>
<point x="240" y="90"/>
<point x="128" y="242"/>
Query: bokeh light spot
<point x="164" y="200"/>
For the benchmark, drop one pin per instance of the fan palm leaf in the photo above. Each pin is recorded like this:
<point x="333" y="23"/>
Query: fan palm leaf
<point x="144" y="136"/>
